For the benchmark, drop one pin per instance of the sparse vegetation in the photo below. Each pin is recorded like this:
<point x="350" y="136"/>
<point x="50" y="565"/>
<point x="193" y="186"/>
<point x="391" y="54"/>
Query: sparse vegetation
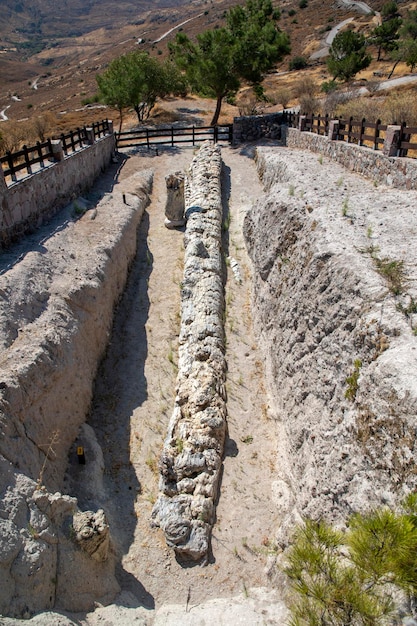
<point x="352" y="381"/>
<point x="354" y="577"/>
<point x="393" y="272"/>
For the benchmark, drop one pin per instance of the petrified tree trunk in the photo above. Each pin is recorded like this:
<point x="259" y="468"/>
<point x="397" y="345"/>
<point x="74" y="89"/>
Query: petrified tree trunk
<point x="192" y="456"/>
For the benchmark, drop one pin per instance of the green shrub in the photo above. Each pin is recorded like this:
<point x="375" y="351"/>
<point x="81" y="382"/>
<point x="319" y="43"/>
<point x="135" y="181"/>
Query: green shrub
<point x="298" y="63"/>
<point x="352" y="380"/>
<point x="354" y="577"/>
<point x="329" y="86"/>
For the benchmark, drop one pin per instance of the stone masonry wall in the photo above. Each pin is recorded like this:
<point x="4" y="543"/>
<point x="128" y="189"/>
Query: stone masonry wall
<point x="253" y="127"/>
<point x="400" y="172"/>
<point x="25" y="205"/>
<point x="192" y="455"/>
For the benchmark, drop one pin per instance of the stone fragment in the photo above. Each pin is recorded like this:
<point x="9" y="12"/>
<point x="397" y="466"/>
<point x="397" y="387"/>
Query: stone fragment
<point x="174" y="207"/>
<point x="92" y="533"/>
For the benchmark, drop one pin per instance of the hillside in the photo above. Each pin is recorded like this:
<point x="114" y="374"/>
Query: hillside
<point x="51" y="55"/>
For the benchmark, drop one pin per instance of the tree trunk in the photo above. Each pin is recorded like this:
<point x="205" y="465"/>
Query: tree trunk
<point x="121" y="120"/>
<point x="392" y="71"/>
<point x="138" y="111"/>
<point x="217" y="111"/>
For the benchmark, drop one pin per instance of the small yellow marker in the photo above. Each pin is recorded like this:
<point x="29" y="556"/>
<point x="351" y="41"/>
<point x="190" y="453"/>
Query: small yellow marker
<point x="81" y="455"/>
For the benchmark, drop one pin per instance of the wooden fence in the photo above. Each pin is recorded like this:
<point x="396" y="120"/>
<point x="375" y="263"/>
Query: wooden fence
<point x="362" y="133"/>
<point x="42" y="153"/>
<point x="174" y="135"/>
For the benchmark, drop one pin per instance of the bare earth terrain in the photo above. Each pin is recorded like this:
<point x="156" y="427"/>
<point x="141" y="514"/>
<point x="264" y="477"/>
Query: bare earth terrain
<point x="135" y="394"/>
<point x="135" y="389"/>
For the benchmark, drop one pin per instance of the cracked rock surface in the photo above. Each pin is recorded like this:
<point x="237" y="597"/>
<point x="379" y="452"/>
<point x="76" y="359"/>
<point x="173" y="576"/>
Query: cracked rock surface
<point x="192" y="455"/>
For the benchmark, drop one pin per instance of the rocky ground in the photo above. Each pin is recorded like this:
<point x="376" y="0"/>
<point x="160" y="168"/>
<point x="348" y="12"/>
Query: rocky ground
<point x="132" y="403"/>
<point x="315" y="227"/>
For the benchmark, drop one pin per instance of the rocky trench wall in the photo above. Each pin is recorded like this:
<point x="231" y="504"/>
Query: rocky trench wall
<point x="191" y="459"/>
<point x="56" y="312"/>
<point x="253" y="127"/>
<point x="399" y="172"/>
<point x="322" y="312"/>
<point x="26" y="204"/>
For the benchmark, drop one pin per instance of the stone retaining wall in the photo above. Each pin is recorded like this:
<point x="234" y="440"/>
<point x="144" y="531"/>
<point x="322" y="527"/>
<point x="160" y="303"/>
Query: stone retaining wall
<point x="253" y="127"/>
<point x="192" y="455"/>
<point x="400" y="172"/>
<point x="26" y="204"/>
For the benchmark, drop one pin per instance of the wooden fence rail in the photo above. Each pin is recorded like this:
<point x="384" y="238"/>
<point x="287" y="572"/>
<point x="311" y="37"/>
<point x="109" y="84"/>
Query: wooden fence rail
<point x="359" y="132"/>
<point x="25" y="158"/>
<point x="42" y="153"/>
<point x="174" y="135"/>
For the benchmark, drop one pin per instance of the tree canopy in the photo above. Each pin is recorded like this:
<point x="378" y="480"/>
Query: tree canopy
<point x="244" y="49"/>
<point x="348" y="55"/>
<point x="355" y="577"/>
<point x="408" y="40"/>
<point x="386" y="35"/>
<point x="137" y="80"/>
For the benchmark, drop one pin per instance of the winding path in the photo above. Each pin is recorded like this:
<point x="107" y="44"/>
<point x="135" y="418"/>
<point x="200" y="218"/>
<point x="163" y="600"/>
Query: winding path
<point x="323" y="52"/>
<point x="175" y="28"/>
<point x="3" y="116"/>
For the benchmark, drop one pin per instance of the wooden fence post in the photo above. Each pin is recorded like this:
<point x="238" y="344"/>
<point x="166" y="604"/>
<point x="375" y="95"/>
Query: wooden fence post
<point x="361" y="132"/>
<point x="376" y="134"/>
<point x="404" y="136"/>
<point x="349" y="134"/>
<point x="302" y="123"/>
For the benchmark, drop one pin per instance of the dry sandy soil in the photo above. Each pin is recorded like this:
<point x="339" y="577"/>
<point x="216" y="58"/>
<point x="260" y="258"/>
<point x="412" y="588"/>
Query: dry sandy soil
<point x="135" y="393"/>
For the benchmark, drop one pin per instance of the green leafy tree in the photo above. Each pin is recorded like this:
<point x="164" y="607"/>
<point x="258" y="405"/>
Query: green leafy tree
<point x="137" y="80"/>
<point x="407" y="46"/>
<point x="348" y="55"/>
<point x="386" y="35"/>
<point x="244" y="49"/>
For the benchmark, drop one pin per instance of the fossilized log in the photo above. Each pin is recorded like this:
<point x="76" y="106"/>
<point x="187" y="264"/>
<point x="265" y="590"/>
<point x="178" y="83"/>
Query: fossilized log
<point x="192" y="455"/>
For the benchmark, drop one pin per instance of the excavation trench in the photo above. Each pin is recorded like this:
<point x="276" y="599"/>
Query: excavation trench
<point x="134" y="394"/>
<point x="139" y="385"/>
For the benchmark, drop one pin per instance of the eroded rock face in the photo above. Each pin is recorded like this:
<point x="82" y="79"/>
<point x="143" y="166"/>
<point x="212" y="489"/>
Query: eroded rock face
<point x="56" y="309"/>
<point x="92" y="533"/>
<point x="321" y="306"/>
<point x="191" y="459"/>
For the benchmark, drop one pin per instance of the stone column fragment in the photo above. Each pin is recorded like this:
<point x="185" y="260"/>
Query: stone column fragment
<point x="174" y="207"/>
<point x="392" y="140"/>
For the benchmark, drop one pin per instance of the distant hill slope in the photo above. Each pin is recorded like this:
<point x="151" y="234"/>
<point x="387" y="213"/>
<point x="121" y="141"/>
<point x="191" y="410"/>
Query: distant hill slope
<point x="26" y="19"/>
